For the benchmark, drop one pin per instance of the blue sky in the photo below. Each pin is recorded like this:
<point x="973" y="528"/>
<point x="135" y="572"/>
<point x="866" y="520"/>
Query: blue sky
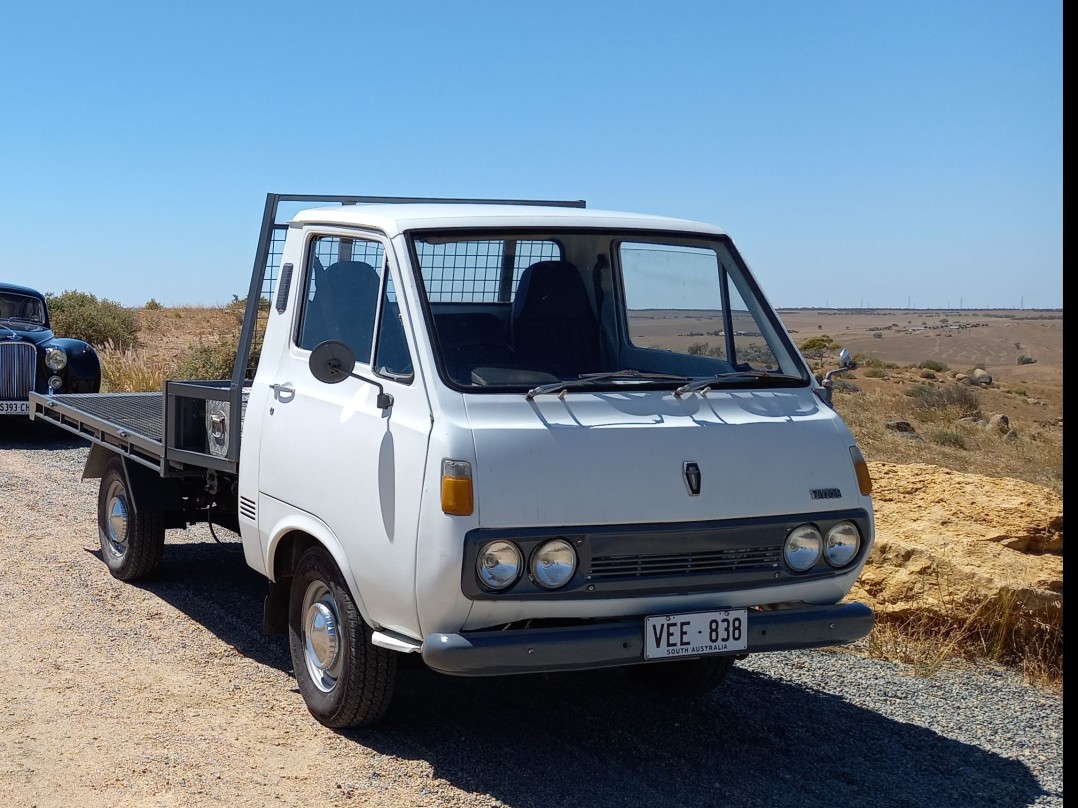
<point x="859" y="153"/>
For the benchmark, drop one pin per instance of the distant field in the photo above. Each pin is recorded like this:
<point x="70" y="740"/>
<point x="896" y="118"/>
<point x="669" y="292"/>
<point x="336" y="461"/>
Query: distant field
<point x="961" y="340"/>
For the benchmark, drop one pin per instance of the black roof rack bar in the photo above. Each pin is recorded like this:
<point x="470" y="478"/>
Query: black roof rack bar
<point x="396" y="200"/>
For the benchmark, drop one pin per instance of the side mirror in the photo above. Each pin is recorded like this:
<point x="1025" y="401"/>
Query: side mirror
<point x="845" y="362"/>
<point x="332" y="362"/>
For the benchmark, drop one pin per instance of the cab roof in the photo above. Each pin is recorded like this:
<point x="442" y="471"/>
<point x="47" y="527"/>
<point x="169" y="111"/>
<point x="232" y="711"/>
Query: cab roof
<point x="397" y="218"/>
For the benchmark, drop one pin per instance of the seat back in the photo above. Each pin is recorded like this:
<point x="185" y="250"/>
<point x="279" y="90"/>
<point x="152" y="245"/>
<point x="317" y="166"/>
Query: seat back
<point x="347" y="296"/>
<point x="553" y="324"/>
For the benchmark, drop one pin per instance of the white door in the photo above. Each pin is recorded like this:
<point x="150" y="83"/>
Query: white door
<point x="329" y="450"/>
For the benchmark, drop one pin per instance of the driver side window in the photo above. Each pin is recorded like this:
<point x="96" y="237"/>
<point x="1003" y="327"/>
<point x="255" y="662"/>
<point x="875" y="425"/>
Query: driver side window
<point x="341" y="300"/>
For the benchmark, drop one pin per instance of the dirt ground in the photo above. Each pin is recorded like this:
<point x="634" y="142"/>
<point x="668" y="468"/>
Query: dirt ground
<point x="168" y="694"/>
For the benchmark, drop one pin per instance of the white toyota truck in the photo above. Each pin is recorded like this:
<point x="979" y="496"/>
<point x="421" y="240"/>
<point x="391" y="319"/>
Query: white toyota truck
<point x="509" y="436"/>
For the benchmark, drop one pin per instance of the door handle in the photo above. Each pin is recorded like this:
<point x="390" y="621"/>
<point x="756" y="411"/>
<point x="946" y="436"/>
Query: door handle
<point x="283" y="393"/>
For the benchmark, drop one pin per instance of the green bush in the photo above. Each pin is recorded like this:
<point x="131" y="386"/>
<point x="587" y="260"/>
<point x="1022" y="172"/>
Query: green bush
<point x="100" y="322"/>
<point x="876" y="373"/>
<point x="153" y="305"/>
<point x="818" y="347"/>
<point x="932" y="364"/>
<point x="928" y="374"/>
<point x="1026" y="360"/>
<point x="214" y="359"/>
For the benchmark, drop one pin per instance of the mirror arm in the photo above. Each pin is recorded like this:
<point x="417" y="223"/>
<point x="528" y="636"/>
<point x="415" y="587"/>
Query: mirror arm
<point x="384" y="400"/>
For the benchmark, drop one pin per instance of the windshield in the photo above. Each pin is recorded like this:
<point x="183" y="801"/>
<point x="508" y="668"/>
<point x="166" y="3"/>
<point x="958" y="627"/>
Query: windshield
<point x="21" y="307"/>
<point x="554" y="311"/>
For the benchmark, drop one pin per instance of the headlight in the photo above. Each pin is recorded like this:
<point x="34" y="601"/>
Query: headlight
<point x="55" y="358"/>
<point x="498" y="564"/>
<point x="802" y="548"/>
<point x="843" y="542"/>
<point x="554" y="564"/>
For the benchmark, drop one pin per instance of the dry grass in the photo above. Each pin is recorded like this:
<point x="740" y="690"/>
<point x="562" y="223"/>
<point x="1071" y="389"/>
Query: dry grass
<point x="996" y="630"/>
<point x="1031" y="451"/>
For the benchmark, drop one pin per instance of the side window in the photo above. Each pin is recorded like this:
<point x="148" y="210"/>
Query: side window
<point x="341" y="300"/>
<point x="392" y="359"/>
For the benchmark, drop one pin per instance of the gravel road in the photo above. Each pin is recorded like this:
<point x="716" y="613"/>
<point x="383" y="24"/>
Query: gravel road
<point x="168" y="694"/>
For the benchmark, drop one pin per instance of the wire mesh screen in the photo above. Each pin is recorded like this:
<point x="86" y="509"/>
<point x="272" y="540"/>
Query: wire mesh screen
<point x="478" y="271"/>
<point x="273" y="260"/>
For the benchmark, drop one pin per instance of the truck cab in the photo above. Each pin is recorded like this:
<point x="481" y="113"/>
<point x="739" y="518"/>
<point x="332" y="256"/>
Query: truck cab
<point x="525" y="438"/>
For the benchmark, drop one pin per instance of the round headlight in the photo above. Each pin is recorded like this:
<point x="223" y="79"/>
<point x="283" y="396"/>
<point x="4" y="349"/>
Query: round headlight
<point x="498" y="564"/>
<point x="843" y="542"/>
<point x="554" y="564"/>
<point x="802" y="548"/>
<point x="55" y="358"/>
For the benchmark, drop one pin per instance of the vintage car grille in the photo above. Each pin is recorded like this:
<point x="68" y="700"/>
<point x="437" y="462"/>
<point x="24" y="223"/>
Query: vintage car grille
<point x="665" y="564"/>
<point x="18" y="367"/>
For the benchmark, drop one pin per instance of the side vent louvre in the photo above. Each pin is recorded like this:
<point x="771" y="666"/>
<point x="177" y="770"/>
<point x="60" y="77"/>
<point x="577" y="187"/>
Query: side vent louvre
<point x="248" y="509"/>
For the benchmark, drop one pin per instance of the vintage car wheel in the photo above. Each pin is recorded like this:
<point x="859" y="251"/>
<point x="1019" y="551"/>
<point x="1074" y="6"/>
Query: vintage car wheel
<point x="687" y="678"/>
<point x="132" y="540"/>
<point x="344" y="678"/>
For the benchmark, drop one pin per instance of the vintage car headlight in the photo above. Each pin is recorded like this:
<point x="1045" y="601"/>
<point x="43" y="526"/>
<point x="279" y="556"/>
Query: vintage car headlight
<point x="498" y="565"/>
<point x="803" y="547"/>
<point x="843" y="542"/>
<point x="554" y="564"/>
<point x="55" y="358"/>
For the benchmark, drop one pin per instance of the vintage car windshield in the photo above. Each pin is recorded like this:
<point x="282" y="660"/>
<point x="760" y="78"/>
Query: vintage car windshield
<point x="553" y="311"/>
<point x="14" y="306"/>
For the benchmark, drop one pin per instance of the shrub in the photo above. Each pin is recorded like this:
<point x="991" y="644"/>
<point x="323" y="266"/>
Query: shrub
<point x="932" y="364"/>
<point x="817" y="347"/>
<point x="153" y="305"/>
<point x="1026" y="360"/>
<point x="961" y="397"/>
<point x="876" y="373"/>
<point x="82" y="315"/>
<point x="214" y="359"/>
<point x="928" y="374"/>
<point x="877" y="335"/>
<point x="699" y="348"/>
<point x="946" y="437"/>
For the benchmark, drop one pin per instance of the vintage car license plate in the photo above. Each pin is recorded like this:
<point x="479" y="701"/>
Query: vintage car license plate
<point x="696" y="633"/>
<point x="14" y="407"/>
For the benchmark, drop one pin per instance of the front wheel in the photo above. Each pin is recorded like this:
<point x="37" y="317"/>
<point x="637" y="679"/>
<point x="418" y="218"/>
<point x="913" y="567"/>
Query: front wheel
<point x="132" y="539"/>
<point x="687" y="678"/>
<point x="344" y="678"/>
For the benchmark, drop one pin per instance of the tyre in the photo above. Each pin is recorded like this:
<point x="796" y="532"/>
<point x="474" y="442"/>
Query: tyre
<point x="687" y="678"/>
<point x="132" y="540"/>
<point x="344" y="678"/>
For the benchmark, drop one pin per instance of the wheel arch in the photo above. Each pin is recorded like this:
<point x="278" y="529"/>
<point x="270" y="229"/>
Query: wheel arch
<point x="292" y="538"/>
<point x="147" y="488"/>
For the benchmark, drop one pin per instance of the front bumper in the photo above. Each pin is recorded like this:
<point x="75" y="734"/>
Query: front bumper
<point x="613" y="644"/>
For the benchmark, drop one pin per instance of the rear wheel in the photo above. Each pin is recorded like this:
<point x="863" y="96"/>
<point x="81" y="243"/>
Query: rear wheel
<point x="344" y="678"/>
<point x="687" y="678"/>
<point x="132" y="539"/>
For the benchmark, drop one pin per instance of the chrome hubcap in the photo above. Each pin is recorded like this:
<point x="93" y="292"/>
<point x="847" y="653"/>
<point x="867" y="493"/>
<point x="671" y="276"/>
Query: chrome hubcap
<point x="321" y="636"/>
<point x="116" y="520"/>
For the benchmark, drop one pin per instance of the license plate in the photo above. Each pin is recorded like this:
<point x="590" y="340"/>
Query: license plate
<point x="14" y="407"/>
<point x="696" y="634"/>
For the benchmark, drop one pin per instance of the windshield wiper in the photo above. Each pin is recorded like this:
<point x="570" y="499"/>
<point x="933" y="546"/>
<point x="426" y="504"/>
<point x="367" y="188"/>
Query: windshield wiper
<point x="596" y="378"/>
<point x="737" y="377"/>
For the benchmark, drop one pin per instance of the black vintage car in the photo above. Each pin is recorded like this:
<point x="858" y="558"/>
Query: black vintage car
<point x="33" y="358"/>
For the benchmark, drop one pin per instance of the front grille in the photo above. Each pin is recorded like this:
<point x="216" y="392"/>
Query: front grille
<point x="18" y="369"/>
<point x="665" y="564"/>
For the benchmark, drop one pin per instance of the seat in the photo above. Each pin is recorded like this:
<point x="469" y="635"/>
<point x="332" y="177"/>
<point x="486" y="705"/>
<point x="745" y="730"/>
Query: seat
<point x="348" y="294"/>
<point x="553" y="325"/>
